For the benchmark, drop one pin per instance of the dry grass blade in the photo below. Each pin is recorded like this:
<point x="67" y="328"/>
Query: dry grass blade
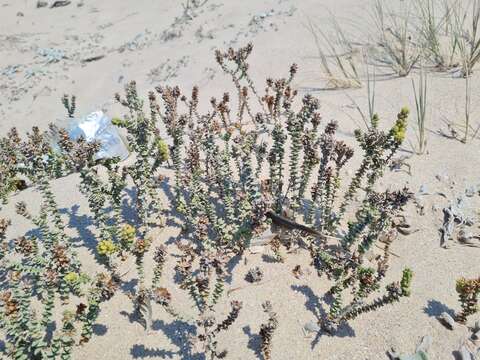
<point x="468" y="101"/>
<point x="321" y="53"/>
<point x="348" y="66"/>
<point x="436" y="33"/>
<point x="338" y="64"/>
<point x="371" y="85"/>
<point x="421" y="108"/>
<point x="397" y="48"/>
<point x="468" y="36"/>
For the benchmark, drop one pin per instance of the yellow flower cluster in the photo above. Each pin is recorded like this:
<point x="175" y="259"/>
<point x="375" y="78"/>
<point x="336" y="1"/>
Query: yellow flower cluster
<point x="400" y="128"/>
<point x="119" y="122"/>
<point x="162" y="149"/>
<point x="127" y="235"/>
<point x="106" y="247"/>
<point x="71" y="277"/>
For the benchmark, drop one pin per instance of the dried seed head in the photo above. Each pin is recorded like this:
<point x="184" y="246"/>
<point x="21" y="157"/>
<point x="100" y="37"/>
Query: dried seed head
<point x="10" y="305"/>
<point x="160" y="255"/>
<point x="254" y="275"/>
<point x="21" y="208"/>
<point x="61" y="258"/>
<point x="162" y="296"/>
<point x="141" y="246"/>
<point x="331" y="128"/>
<point x="51" y="278"/>
<point x="81" y="309"/>
<point x="106" y="285"/>
<point x="293" y="69"/>
<point x="25" y="246"/>
<point x="297" y="271"/>
<point x="195" y="92"/>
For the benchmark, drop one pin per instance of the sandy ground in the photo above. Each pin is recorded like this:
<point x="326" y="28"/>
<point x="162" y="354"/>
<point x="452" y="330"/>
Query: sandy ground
<point x="141" y="40"/>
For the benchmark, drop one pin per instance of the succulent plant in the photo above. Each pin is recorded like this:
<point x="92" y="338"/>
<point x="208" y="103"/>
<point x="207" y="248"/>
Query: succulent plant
<point x="469" y="293"/>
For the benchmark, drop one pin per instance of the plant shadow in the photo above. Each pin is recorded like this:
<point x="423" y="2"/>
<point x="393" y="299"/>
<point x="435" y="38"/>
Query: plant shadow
<point x="81" y="223"/>
<point x="254" y="341"/>
<point x="314" y="305"/>
<point x="178" y="332"/>
<point x="435" y="308"/>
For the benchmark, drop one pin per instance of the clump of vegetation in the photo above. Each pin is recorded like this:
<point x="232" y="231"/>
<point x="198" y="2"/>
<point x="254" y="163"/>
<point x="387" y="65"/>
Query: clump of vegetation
<point x="339" y="64"/>
<point x="467" y="34"/>
<point x="22" y="165"/>
<point x="396" y="40"/>
<point x="436" y="30"/>
<point x="230" y="201"/>
<point x="107" y="185"/>
<point x="9" y="180"/>
<point x="469" y="293"/>
<point x="254" y="275"/>
<point x="244" y="168"/>
<point x="203" y="275"/>
<point x="420" y="93"/>
<point x="45" y="267"/>
<point x="267" y="330"/>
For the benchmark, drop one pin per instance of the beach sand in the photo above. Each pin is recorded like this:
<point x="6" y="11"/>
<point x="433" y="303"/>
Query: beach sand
<point x="141" y="40"/>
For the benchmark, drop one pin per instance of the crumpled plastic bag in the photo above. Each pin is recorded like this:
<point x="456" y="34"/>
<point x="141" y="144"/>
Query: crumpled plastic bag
<point x="97" y="126"/>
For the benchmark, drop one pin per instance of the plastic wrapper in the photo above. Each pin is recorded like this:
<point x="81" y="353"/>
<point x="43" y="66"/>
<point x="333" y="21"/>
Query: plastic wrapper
<point x="97" y="126"/>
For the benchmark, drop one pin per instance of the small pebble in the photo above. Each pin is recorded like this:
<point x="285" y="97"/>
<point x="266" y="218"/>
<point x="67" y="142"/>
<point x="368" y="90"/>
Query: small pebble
<point x="257" y="249"/>
<point x="476" y="327"/>
<point x="465" y="354"/>
<point x="423" y="190"/>
<point x="447" y="320"/>
<point x="311" y="327"/>
<point x="425" y="344"/>
<point x="470" y="191"/>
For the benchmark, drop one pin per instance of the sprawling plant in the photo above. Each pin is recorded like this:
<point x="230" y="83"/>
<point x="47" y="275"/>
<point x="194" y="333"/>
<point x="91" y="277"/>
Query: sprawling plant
<point x="469" y="294"/>
<point x="215" y="182"/>
<point x="204" y="278"/>
<point x="9" y="180"/>
<point x="45" y="267"/>
<point x="348" y="266"/>
<point x="19" y="167"/>
<point x="149" y="152"/>
<point x="203" y="275"/>
<point x="121" y="232"/>
<point x="267" y="172"/>
<point x="267" y="330"/>
<point x="236" y="173"/>
<point x="105" y="186"/>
